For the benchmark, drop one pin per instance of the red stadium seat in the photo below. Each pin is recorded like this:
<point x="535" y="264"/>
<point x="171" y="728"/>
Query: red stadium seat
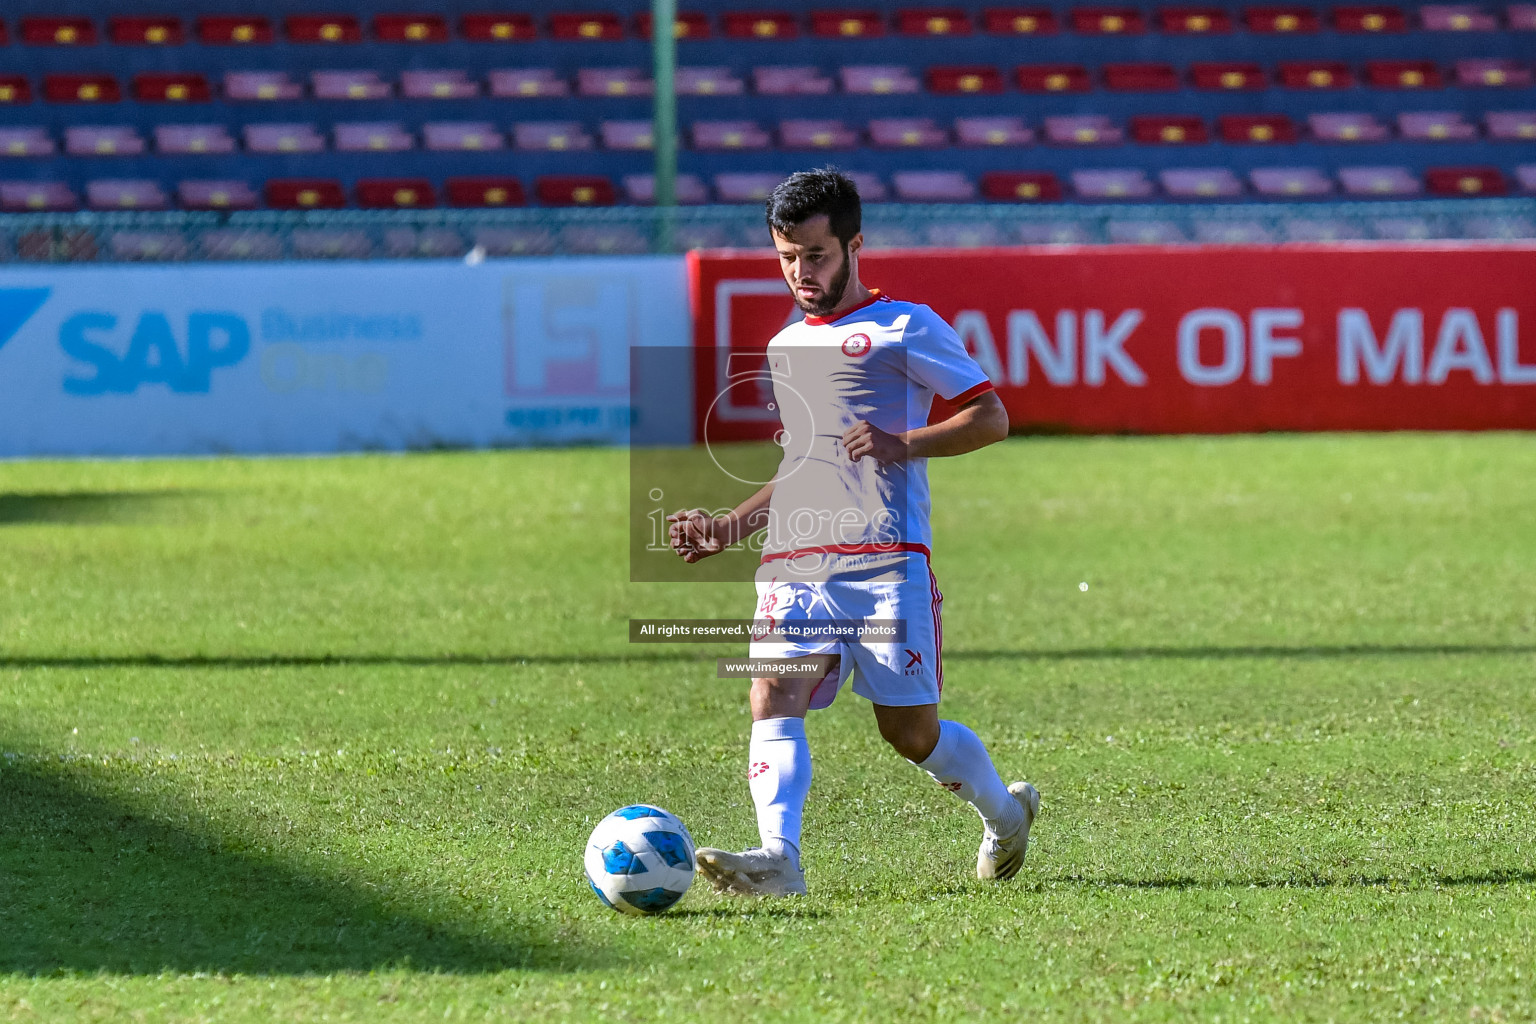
<point x="1019" y="21"/>
<point x="596" y="27"/>
<point x="1053" y="78"/>
<point x="81" y="89"/>
<point x="1315" y="74"/>
<point x="485" y="191"/>
<point x="1257" y="128"/>
<point x="759" y="25"/>
<point x="575" y="190"/>
<point x="1169" y="129"/>
<point x="227" y="30"/>
<point x="1228" y="75"/>
<point x="1108" y="21"/>
<point x="1141" y="77"/>
<point x="1403" y="74"/>
<point x="1369" y="19"/>
<point x="15" y="89"/>
<point x="1021" y="186"/>
<point x="1194" y="20"/>
<point x="58" y="32"/>
<point x="305" y="194"/>
<point x="497" y="28"/>
<point x="968" y="78"/>
<point x="395" y="193"/>
<point x="1280" y="19"/>
<point x="410" y="28"/>
<point x="847" y="24"/>
<point x="322" y="28"/>
<point x="933" y="21"/>
<point x="157" y="87"/>
<point x="5" y="36"/>
<point x="125" y="31"/>
<point x="686" y="25"/>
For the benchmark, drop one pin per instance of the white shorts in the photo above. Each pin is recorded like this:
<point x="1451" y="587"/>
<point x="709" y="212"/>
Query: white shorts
<point x="901" y="674"/>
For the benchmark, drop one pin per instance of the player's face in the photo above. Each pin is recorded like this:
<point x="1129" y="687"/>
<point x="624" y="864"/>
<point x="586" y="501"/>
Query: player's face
<point x="817" y="267"/>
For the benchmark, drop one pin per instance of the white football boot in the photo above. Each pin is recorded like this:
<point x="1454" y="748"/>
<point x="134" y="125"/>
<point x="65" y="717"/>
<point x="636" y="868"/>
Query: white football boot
<point x="754" y="872"/>
<point x="1001" y="857"/>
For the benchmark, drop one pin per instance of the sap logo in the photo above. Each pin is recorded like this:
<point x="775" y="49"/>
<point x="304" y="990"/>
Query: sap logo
<point x="153" y="354"/>
<point x="17" y="306"/>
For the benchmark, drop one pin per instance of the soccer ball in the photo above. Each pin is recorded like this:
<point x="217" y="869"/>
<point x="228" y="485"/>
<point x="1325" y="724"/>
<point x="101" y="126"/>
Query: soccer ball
<point x="640" y="860"/>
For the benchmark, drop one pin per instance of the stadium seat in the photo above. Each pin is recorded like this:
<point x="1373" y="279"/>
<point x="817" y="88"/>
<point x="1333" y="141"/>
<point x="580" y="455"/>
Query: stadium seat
<point x="497" y="28"/>
<point x="395" y="193"/>
<point x="1227" y="75"/>
<point x="410" y="28"/>
<point x="1522" y="17"/>
<point x="1372" y="18"/>
<point x="239" y="244"/>
<point x="136" y="246"/>
<point x="1117" y="183"/>
<point x="1053" y="78"/>
<point x="1141" y="77"/>
<point x="1435" y="126"/>
<point x="992" y="131"/>
<point x="964" y="234"/>
<point x="58" y="32"/>
<point x="641" y="189"/>
<point x="1511" y="125"/>
<point x="907" y="133"/>
<point x="603" y="240"/>
<point x="1492" y="72"/>
<point x="36" y="196"/>
<point x="934" y="21"/>
<point x="1457" y="18"/>
<point x="1379" y="182"/>
<point x="1169" y="129"/>
<point x="1108" y="21"/>
<point x="236" y="30"/>
<point x="1083" y="130"/>
<point x="1200" y="183"/>
<point x="1281" y="19"/>
<point x="702" y="236"/>
<point x="156" y="87"/>
<point x="627" y="135"/>
<point x="598" y="26"/>
<point x="26" y="142"/>
<point x="1465" y="181"/>
<point x="574" y="190"/>
<point x="775" y="25"/>
<point x="1525" y="177"/>
<point x="1315" y="74"/>
<point x="1021" y="186"/>
<point x="745" y="188"/>
<point x="516" y="241"/>
<point x="550" y="136"/>
<point x="15" y="89"/>
<point x="847" y="24"/>
<point x="125" y="194"/>
<point x="719" y="135"/>
<point x="102" y="140"/>
<point x="1257" y="128"/>
<point x="1347" y="127"/>
<point x="790" y="81"/>
<point x="871" y="188"/>
<point x="714" y="81"/>
<point x="1232" y="232"/>
<point x="1290" y="182"/>
<point x="485" y="191"/>
<point x="1020" y="21"/>
<point x="283" y="138"/>
<point x="1403" y="74"/>
<point x="204" y="194"/>
<point x="322" y="28"/>
<point x="452" y="84"/>
<point x="686" y="25"/>
<point x="528" y="83"/>
<point x="946" y="79"/>
<point x="81" y="89"/>
<point x="802" y="133"/>
<point x="372" y="137"/>
<point x="261" y="85"/>
<point x="141" y="31"/>
<point x="416" y="243"/>
<point x="330" y="244"/>
<point x="933" y="186"/>
<point x="1194" y="20"/>
<point x="1145" y="232"/>
<point x="613" y="82"/>
<point x="349" y="85"/>
<point x="877" y="80"/>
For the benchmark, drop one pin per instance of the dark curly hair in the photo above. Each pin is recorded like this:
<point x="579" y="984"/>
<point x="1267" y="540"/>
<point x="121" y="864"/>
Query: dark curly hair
<point x="807" y="194"/>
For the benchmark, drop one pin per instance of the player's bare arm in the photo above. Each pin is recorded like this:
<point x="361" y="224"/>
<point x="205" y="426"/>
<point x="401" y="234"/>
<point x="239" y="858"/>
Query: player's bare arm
<point x="695" y="534"/>
<point x="976" y="424"/>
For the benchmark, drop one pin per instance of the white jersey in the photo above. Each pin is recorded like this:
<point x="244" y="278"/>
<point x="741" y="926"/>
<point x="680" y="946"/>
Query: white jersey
<point x="881" y="362"/>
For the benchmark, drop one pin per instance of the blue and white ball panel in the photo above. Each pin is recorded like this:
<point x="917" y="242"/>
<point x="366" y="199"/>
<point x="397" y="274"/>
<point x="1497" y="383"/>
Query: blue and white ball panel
<point x="639" y="860"/>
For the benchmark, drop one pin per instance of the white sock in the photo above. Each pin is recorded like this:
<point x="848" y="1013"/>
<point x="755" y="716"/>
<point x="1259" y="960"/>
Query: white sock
<point x="779" y="776"/>
<point x="960" y="764"/>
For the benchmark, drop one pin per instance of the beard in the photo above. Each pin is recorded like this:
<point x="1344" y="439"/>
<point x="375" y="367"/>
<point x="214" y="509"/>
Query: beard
<point x="832" y="295"/>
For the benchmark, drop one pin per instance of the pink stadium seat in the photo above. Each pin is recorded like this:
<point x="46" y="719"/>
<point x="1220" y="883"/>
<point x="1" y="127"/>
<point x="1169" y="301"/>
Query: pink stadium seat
<point x="1200" y="183"/>
<point x="1347" y="127"/>
<point x="1511" y="125"/>
<point x="528" y="83"/>
<point x="438" y="85"/>
<point x="102" y="140"/>
<point x="1082" y="130"/>
<point x="891" y="236"/>
<point x="1290" y="182"/>
<point x="715" y="135"/>
<point x="878" y="80"/>
<point x="36" y="196"/>
<point x="26" y="142"/>
<point x="515" y="241"/>
<point x="1435" y="126"/>
<point x="800" y="133"/>
<point x="871" y="188"/>
<point x="907" y="133"/>
<point x="965" y="235"/>
<point x="790" y="81"/>
<point x="992" y="131"/>
<point x="1457" y="18"/>
<point x="372" y="137"/>
<point x="135" y="246"/>
<point x="603" y="240"/>
<point x="1525" y="177"/>
<point x="551" y="136"/>
<point x="691" y="81"/>
<point x="125" y="194"/>
<point x="1385" y="182"/>
<point x="745" y="188"/>
<point x="1522" y="17"/>
<point x="261" y="85"/>
<point x="240" y="244"/>
<point x="627" y="135"/>
<point x="1320" y="230"/>
<point x="1490" y="72"/>
<point x="190" y="139"/>
<point x="349" y="85"/>
<point x="1232" y="232"/>
<point x="202" y="194"/>
<point x="702" y="236"/>
<point x="640" y="189"/>
<point x="330" y="244"/>
<point x="1127" y="183"/>
<point x="283" y="138"/>
<point x="449" y="136"/>
<point x="1145" y="232"/>
<point x="613" y="82"/>
<point x="934" y="186"/>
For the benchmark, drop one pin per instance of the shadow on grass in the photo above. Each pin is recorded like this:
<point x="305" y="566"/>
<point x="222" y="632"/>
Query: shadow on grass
<point x="749" y="908"/>
<point x="1501" y="876"/>
<point x="84" y="506"/>
<point x="89" y="882"/>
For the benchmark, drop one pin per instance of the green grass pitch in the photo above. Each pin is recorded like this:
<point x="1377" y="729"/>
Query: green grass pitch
<point x="322" y="739"/>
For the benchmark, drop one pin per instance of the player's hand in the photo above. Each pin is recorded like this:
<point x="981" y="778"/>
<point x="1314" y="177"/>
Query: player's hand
<point x="865" y="439"/>
<point x="694" y="534"/>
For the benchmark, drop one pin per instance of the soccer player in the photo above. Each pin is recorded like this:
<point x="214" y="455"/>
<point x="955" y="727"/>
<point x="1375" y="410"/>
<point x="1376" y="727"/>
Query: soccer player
<point x="848" y="535"/>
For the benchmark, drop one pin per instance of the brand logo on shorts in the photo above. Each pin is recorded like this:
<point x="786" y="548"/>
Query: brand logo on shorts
<point x="856" y="345"/>
<point x="758" y="767"/>
<point x="914" y="665"/>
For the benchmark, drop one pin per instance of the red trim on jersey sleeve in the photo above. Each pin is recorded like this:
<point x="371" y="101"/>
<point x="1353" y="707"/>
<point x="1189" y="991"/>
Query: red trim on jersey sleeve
<point x="970" y="393"/>
<point x="874" y="297"/>
<point x="852" y="549"/>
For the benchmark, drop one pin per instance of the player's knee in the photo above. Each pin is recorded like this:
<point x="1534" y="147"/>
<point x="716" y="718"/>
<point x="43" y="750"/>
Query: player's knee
<point x="912" y="738"/>
<point x="779" y="698"/>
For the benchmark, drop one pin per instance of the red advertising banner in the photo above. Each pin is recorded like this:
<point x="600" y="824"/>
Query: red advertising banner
<point x="1182" y="339"/>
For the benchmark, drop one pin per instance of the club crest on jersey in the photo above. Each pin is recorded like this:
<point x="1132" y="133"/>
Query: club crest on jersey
<point x="856" y="345"/>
